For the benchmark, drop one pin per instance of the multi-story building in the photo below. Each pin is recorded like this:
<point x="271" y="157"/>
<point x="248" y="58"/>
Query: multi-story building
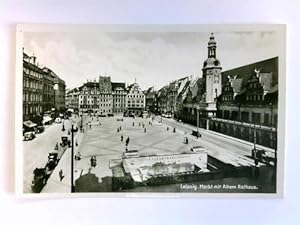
<point x="135" y="99"/>
<point x="162" y="100"/>
<point x="151" y="99"/>
<point x="32" y="89"/>
<point x="249" y="98"/>
<point x="103" y="97"/>
<point x="89" y="97"/>
<point x="72" y="99"/>
<point x="119" y="97"/>
<point x="48" y="90"/>
<point x="241" y="102"/>
<point x="59" y="93"/>
<point x="43" y="90"/>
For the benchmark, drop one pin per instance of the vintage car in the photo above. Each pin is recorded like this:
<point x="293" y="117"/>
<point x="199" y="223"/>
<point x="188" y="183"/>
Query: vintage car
<point x="65" y="141"/>
<point x="39" y="179"/>
<point x="52" y="161"/>
<point x="110" y="115"/>
<point x="196" y="133"/>
<point x="40" y="129"/>
<point x="29" y="135"/>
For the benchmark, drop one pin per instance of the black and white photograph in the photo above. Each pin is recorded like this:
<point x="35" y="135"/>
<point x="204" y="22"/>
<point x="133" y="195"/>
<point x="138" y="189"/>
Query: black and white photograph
<point x="150" y="109"/>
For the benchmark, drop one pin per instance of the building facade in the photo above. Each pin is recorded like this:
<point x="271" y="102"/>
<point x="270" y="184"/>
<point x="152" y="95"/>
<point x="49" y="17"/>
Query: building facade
<point x="72" y="99"/>
<point x="102" y="98"/>
<point x="33" y="87"/>
<point x="241" y="102"/>
<point x="151" y="100"/>
<point x="43" y="90"/>
<point x="119" y="97"/>
<point x="250" y="99"/>
<point x="135" y="99"/>
<point x="59" y="94"/>
<point x="48" y="90"/>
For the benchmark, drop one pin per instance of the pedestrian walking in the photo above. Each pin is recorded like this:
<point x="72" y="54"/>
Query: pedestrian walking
<point x="139" y="124"/>
<point x="145" y="130"/>
<point x="120" y="128"/>
<point x="117" y="129"/>
<point x="121" y="138"/>
<point x="61" y="175"/>
<point x="133" y="124"/>
<point x="186" y="140"/>
<point x="167" y="128"/>
<point x="174" y="130"/>
<point x="127" y="141"/>
<point x="93" y="161"/>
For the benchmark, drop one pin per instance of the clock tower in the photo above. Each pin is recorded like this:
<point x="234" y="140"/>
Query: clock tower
<point x="212" y="75"/>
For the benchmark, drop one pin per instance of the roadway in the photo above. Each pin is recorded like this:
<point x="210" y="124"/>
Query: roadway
<point x="35" y="152"/>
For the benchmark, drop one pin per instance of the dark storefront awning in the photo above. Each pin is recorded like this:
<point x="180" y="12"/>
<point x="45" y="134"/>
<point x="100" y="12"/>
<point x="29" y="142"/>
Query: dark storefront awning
<point x="29" y="124"/>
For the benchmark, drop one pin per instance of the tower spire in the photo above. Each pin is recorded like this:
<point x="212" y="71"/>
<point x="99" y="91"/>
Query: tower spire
<point x="212" y="45"/>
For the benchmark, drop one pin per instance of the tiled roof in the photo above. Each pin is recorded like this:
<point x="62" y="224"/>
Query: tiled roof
<point x="266" y="81"/>
<point x="115" y="85"/>
<point x="236" y="85"/>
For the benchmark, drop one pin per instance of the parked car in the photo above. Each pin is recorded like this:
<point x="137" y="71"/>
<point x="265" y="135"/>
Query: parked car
<point x="110" y="115"/>
<point x="196" y="134"/>
<point x="168" y="115"/>
<point x="40" y="129"/>
<point x="29" y="135"/>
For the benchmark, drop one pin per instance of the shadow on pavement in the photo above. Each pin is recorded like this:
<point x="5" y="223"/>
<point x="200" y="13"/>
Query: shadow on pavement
<point x="90" y="183"/>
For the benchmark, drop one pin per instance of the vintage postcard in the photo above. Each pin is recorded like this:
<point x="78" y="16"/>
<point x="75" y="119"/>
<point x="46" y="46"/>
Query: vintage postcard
<point x="150" y="110"/>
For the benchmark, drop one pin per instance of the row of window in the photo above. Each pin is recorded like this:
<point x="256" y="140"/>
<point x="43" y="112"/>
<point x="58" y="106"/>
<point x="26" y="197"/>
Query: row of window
<point x="254" y="85"/>
<point x="48" y="88"/>
<point x="92" y="97"/>
<point x="32" y="73"/>
<point x="133" y="102"/>
<point x="254" y="97"/>
<point x="135" y="96"/>
<point x="97" y="105"/>
<point x="27" y="83"/>
<point x="32" y="110"/>
<point x="257" y="118"/>
<point x="32" y="97"/>
<point x="227" y="98"/>
<point x="135" y="105"/>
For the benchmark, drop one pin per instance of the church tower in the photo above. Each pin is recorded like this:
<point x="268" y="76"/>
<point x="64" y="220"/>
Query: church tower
<point x="212" y="74"/>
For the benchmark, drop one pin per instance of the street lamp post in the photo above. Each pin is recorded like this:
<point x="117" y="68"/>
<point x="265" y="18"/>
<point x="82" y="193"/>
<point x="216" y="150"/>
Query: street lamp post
<point x="72" y="160"/>
<point x="197" y="121"/>
<point x="271" y="124"/>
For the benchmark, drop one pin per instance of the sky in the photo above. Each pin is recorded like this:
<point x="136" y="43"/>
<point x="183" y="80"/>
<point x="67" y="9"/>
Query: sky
<point x="152" y="58"/>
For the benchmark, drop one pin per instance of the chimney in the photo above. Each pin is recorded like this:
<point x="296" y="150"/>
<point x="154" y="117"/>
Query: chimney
<point x="33" y="60"/>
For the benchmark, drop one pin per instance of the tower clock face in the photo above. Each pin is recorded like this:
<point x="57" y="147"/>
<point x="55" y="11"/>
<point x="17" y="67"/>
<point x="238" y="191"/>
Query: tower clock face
<point x="209" y="72"/>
